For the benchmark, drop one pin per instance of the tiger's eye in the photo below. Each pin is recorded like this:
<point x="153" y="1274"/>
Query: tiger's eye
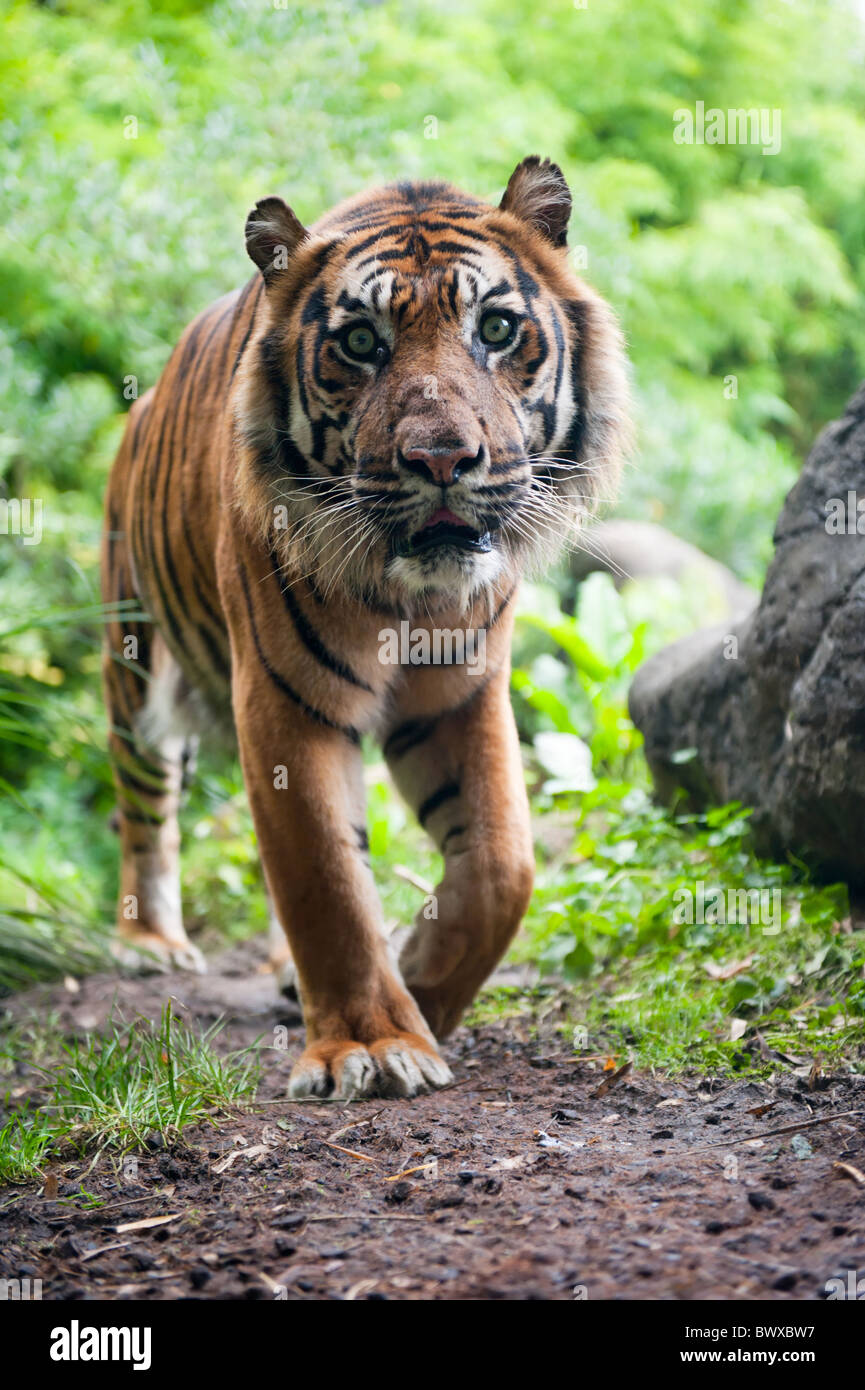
<point x="360" y="341"/>
<point x="497" y="330"/>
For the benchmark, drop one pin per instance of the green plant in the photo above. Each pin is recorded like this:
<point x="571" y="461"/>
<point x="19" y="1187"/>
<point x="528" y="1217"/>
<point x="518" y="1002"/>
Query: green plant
<point x="117" y="1088"/>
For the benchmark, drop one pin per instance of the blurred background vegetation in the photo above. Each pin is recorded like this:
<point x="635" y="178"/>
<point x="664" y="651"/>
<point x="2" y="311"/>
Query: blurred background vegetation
<point x="133" y="139"/>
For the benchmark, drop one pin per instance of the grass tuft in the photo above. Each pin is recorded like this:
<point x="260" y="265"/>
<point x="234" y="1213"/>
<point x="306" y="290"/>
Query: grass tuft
<point x="118" y="1089"/>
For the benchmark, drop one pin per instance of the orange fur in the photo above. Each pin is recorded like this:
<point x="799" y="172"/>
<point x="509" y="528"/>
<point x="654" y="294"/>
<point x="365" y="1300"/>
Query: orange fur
<point x="279" y="499"/>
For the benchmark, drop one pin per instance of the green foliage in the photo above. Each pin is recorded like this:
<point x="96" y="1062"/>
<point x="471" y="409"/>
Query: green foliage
<point x="114" y="1091"/>
<point x="133" y="139"/>
<point x="627" y="904"/>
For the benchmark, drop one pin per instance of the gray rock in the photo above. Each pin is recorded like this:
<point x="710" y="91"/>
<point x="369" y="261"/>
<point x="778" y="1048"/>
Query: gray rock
<point x="773" y="705"/>
<point x="642" y="550"/>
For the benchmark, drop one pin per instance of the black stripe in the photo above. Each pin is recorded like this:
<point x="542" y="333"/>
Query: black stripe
<point x="438" y="798"/>
<point x="407" y="736"/>
<point x="136" y="428"/>
<point x="248" y="334"/>
<point x="503" y="287"/>
<point x="140" y="818"/>
<point x="572" y="446"/>
<point x="186" y="406"/>
<point x="134" y="784"/>
<point x="452" y="833"/>
<point x="397" y="234"/>
<point x="310" y="638"/>
<point x="147" y="547"/>
<point x="501" y="608"/>
<point x="281" y="683"/>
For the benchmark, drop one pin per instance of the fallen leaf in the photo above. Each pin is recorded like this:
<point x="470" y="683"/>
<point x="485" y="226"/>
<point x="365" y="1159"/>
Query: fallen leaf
<point x="762" y="1109"/>
<point x="146" y="1224"/>
<point x="352" y="1153"/>
<point x="738" y="1028"/>
<point x="245" y="1153"/>
<point x="549" y="1141"/>
<point x="847" y="1170"/>
<point x="726" y="972"/>
<point x="49" y="1192"/>
<point x="674" y="1100"/>
<point x="406" y="1172"/>
<point x="103" y="1250"/>
<point x="275" y="1288"/>
<point x="610" y="1081"/>
<point x="362" y="1286"/>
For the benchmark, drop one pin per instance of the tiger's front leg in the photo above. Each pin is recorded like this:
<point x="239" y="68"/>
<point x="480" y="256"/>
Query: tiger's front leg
<point x="304" y="780"/>
<point x="463" y="774"/>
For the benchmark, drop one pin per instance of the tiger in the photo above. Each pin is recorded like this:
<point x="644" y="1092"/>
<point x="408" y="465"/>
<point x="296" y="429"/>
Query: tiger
<point x="409" y="407"/>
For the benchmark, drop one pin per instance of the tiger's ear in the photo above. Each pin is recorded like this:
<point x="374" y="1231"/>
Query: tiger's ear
<point x="273" y="233"/>
<point x="537" y="192"/>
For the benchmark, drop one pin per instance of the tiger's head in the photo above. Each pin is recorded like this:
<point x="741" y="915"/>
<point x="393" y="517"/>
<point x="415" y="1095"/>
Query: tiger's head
<point x="433" y="401"/>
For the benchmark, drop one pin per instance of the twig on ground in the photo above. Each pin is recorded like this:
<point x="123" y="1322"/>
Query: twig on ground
<point x="781" y="1129"/>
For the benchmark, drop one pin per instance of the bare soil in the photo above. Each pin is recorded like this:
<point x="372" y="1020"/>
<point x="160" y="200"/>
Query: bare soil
<point x="522" y="1181"/>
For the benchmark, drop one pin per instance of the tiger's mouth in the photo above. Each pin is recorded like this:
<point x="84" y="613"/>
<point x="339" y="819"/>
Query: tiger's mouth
<point x="444" y="529"/>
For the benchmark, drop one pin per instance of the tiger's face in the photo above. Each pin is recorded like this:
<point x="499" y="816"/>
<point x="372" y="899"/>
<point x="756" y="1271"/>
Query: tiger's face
<point x="434" y="400"/>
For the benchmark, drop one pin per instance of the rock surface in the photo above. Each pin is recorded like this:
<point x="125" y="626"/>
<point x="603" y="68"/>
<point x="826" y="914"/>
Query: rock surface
<point x="773" y="705"/>
<point x="643" y="550"/>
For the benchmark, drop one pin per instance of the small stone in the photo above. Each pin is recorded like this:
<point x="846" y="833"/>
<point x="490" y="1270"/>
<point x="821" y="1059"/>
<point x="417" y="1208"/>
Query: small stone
<point x="398" y="1192"/>
<point x="761" y="1201"/>
<point x="290" y="1222"/>
<point x="454" y="1199"/>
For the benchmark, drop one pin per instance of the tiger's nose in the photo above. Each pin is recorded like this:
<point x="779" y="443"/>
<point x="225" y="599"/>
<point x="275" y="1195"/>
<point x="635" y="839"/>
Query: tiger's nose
<point x="442" y="466"/>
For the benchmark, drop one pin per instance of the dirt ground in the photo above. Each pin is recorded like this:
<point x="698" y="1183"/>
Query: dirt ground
<point x="522" y="1181"/>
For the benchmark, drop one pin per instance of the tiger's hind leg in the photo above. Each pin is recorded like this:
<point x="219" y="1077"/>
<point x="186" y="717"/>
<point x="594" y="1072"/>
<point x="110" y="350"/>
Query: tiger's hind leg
<point x="149" y="756"/>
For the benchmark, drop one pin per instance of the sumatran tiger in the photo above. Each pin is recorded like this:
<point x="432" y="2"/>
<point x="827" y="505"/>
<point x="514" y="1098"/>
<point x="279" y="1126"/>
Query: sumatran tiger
<point x="405" y="408"/>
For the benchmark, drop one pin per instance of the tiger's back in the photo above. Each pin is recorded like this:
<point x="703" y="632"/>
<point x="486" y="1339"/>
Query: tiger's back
<point x="163" y="500"/>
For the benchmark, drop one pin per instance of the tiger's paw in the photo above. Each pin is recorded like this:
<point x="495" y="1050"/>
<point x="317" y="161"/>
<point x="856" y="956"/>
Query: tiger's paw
<point x="147" y="951"/>
<point x="404" y="1065"/>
